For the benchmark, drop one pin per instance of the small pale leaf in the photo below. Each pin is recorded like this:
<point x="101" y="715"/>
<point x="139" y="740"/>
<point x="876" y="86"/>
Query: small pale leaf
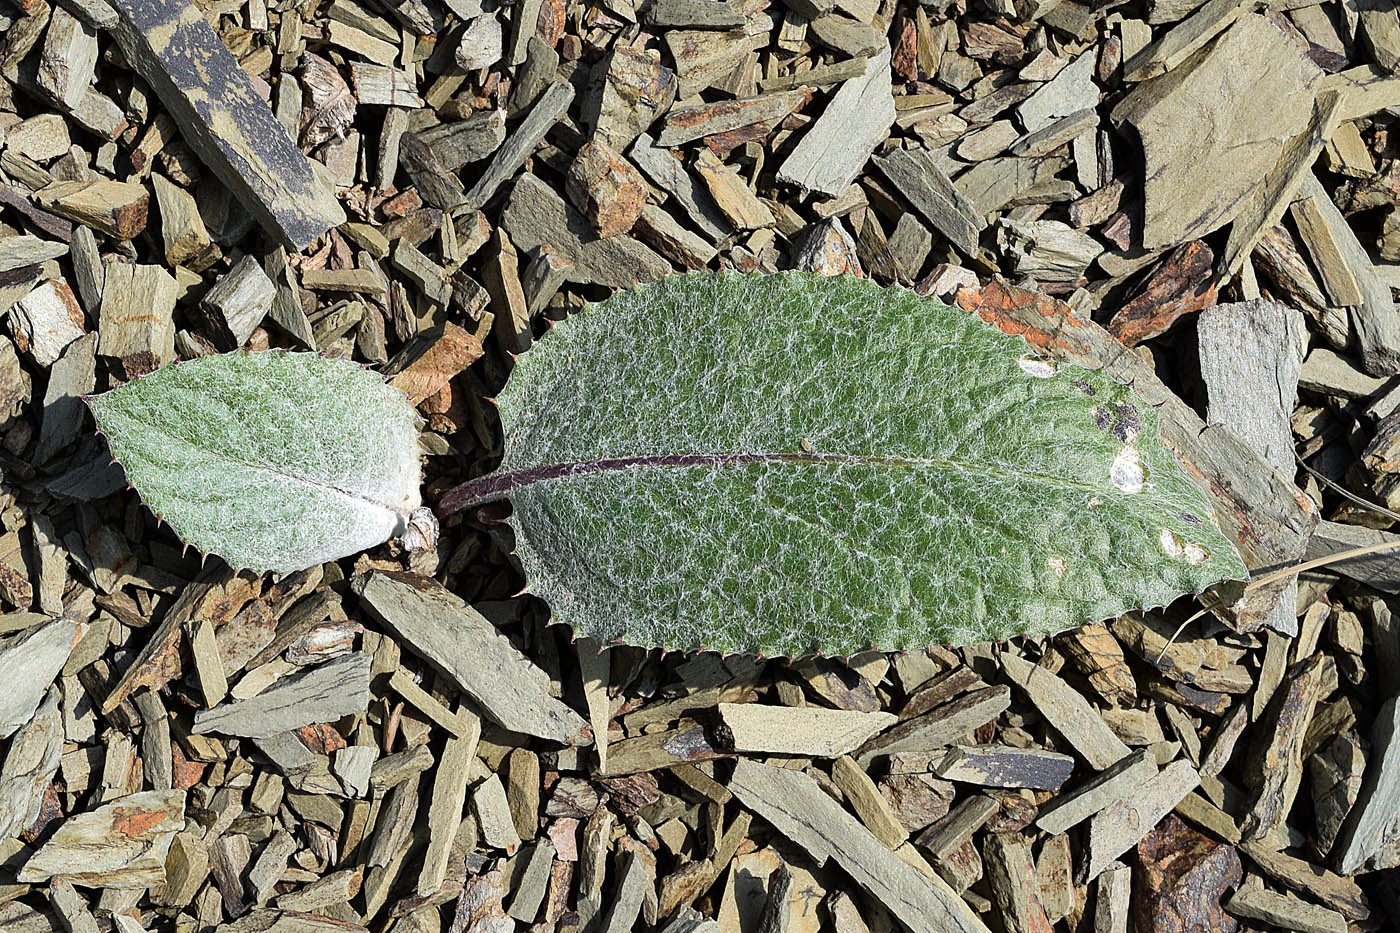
<point x="271" y="460"/>
<point x="788" y="464"/>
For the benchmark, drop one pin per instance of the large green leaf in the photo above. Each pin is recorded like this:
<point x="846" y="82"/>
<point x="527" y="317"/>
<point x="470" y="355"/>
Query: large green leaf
<point x="788" y="464"/>
<point x="273" y="460"/>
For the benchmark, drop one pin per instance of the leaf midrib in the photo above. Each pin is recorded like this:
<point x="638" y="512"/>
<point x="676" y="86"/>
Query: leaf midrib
<point x="270" y="468"/>
<point x="499" y="484"/>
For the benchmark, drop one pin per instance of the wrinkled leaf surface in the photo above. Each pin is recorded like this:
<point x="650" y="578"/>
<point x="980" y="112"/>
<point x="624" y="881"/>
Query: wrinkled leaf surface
<point x="788" y="464"/>
<point x="272" y="460"/>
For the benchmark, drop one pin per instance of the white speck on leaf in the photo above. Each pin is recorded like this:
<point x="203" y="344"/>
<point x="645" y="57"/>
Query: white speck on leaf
<point x="1126" y="472"/>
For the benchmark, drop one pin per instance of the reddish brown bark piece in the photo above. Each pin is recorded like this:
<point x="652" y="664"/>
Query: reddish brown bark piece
<point x="1182" y="284"/>
<point x="215" y="598"/>
<point x="606" y="188"/>
<point x="1181" y="877"/>
<point x="430" y="362"/>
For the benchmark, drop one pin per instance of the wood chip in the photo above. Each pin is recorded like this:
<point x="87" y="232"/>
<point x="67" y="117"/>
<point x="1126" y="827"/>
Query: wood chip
<point x="806" y="730"/>
<point x="121" y="844"/>
<point x="222" y="117"/>
<point x="322" y="693"/>
<point x="435" y="624"/>
<point x="797" y="807"/>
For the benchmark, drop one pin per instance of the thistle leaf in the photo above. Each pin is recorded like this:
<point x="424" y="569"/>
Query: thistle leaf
<point x="271" y="460"/>
<point x="787" y="464"/>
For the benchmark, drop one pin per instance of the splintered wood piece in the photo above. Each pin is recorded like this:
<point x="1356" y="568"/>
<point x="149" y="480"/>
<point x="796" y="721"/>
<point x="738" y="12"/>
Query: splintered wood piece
<point x="1367" y="827"/>
<point x="806" y="730"/>
<point x="182" y="229"/>
<point x="798" y="808"/>
<point x="1339" y="893"/>
<point x="1011" y="877"/>
<point x="1334" y="773"/>
<point x="1125" y="822"/>
<point x="512" y="153"/>
<point x="1099" y="657"/>
<point x="1349" y="277"/>
<point x="445" y="809"/>
<point x="462" y="644"/>
<point x="237" y="303"/>
<point x="870" y="805"/>
<point x="121" y="844"/>
<point x="323" y="693"/>
<point x="1184" y="283"/>
<point x="493" y="817"/>
<point x="116" y="208"/>
<point x="1253" y="902"/>
<point x="687" y="122"/>
<point x="928" y="188"/>
<point x="29" y="662"/>
<point x="223" y="118"/>
<point x="1196" y="182"/>
<point x="33" y="758"/>
<point x="430" y="361"/>
<point x="136" y="323"/>
<point x="1067" y="710"/>
<point x="1006" y="766"/>
<point x="736" y="201"/>
<point x="1251" y="356"/>
<point x="941" y="726"/>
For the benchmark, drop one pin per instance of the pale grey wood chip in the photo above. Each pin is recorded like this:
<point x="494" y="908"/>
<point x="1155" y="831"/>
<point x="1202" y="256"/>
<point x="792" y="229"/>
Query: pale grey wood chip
<point x="529" y="887"/>
<point x="1369" y="825"/>
<point x="1067" y="710"/>
<point x="917" y="176"/>
<point x="29" y="663"/>
<point x="1127" y="820"/>
<point x="74" y="374"/>
<point x="1071" y="90"/>
<point x="837" y="145"/>
<point x="461" y="643"/>
<point x="805" y="730"/>
<point x="512" y="153"/>
<point x="1251" y="356"/>
<point x="323" y="693"/>
<point x="1374" y="319"/>
<point x="798" y="808"/>
<point x="72" y="908"/>
<point x="445" y="809"/>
